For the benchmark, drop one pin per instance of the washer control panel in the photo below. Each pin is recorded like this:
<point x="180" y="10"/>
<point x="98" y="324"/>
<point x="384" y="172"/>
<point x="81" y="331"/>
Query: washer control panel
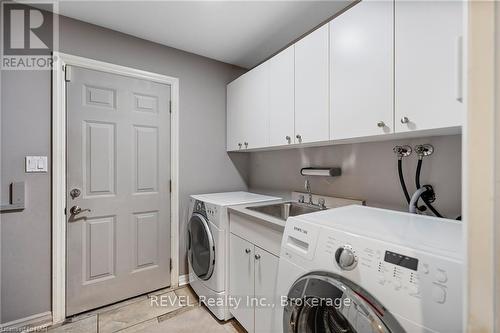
<point x="212" y="211"/>
<point x="416" y="285"/>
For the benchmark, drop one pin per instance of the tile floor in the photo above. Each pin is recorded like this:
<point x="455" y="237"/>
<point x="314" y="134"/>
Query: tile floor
<point x="168" y="310"/>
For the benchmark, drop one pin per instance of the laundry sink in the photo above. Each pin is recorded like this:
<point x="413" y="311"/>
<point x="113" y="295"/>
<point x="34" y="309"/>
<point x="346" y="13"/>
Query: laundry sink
<point x="285" y="209"/>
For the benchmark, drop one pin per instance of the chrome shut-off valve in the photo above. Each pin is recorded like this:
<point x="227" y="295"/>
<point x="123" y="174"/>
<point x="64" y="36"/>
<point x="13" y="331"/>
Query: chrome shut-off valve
<point x="424" y="150"/>
<point x="402" y="151"/>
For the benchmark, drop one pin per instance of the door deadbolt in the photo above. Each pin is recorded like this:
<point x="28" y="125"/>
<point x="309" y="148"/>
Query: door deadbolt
<point x="75" y="193"/>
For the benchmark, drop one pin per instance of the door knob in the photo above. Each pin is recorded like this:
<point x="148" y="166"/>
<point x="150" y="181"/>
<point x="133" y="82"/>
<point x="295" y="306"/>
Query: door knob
<point x="246" y="144"/>
<point x="257" y="256"/>
<point x="381" y="124"/>
<point x="247" y="251"/>
<point x="75" y="210"/>
<point x="405" y="120"/>
<point x="239" y="145"/>
<point x="299" y="137"/>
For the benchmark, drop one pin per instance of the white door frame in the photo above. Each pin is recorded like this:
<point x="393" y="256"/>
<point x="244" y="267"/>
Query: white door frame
<point x="59" y="168"/>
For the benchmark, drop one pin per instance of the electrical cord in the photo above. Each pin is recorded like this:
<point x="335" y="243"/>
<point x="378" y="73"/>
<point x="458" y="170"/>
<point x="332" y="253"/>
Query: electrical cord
<point x="417" y="184"/>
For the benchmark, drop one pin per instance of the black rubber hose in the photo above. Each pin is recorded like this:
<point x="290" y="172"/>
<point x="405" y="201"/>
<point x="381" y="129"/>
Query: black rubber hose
<point x="417" y="184"/>
<point x="402" y="180"/>
<point x="417" y="176"/>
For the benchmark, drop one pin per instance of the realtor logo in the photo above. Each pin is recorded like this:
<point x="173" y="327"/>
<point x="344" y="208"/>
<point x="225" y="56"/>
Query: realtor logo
<point x="28" y="35"/>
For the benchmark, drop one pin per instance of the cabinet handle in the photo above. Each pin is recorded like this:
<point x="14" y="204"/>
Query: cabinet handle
<point x="289" y="139"/>
<point x="299" y="137"/>
<point x="459" y="70"/>
<point x="247" y="251"/>
<point x="381" y="124"/>
<point x="246" y="144"/>
<point x="257" y="256"/>
<point x="405" y="120"/>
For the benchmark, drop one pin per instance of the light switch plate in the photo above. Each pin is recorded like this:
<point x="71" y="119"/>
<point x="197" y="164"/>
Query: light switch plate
<point x="36" y="164"/>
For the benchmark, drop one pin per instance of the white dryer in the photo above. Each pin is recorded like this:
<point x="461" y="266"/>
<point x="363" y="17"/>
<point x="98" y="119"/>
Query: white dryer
<point x="208" y="244"/>
<point x="361" y="269"/>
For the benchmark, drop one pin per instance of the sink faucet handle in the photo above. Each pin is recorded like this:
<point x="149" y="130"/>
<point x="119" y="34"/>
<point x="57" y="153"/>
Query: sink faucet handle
<point x="321" y="202"/>
<point x="301" y="198"/>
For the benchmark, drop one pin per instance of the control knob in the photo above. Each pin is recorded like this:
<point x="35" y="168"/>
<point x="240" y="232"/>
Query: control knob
<point x="345" y="258"/>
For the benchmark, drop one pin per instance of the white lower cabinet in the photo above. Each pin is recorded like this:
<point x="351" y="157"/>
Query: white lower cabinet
<point x="266" y="275"/>
<point x="241" y="277"/>
<point x="252" y="279"/>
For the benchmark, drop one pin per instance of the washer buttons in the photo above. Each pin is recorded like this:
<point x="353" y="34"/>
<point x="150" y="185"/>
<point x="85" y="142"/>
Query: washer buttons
<point x="441" y="276"/>
<point x="439" y="294"/>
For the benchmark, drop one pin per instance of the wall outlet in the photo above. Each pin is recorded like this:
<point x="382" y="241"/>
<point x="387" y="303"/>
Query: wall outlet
<point x="36" y="164"/>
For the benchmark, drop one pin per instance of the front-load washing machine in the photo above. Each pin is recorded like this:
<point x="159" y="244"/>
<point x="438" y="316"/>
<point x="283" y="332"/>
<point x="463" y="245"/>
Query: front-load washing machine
<point x="361" y="269"/>
<point x="208" y="244"/>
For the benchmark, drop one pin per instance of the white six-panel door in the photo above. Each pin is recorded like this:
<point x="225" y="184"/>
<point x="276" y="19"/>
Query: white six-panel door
<point x="118" y="159"/>
<point x="361" y="71"/>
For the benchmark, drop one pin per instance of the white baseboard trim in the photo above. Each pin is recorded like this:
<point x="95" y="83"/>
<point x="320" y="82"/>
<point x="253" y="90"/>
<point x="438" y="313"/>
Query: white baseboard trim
<point x="183" y="279"/>
<point x="39" y="320"/>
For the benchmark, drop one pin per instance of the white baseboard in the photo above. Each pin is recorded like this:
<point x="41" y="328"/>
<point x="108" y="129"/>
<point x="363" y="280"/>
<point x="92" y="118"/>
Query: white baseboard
<point x="183" y="279"/>
<point x="40" y="320"/>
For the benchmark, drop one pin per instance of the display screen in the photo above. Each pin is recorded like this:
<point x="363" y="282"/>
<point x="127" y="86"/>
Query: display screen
<point x="401" y="260"/>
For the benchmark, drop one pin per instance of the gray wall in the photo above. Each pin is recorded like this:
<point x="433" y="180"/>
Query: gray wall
<point x="26" y="108"/>
<point x="369" y="172"/>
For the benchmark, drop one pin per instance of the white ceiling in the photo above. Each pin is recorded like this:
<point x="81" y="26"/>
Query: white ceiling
<point x="242" y="33"/>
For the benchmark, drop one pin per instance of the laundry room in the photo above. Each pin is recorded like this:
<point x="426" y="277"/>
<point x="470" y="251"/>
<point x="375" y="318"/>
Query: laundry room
<point x="249" y="166"/>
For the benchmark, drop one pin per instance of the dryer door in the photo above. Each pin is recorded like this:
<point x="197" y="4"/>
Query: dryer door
<point x="201" y="247"/>
<point x="325" y="302"/>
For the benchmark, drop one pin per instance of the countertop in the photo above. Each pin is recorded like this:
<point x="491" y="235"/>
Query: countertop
<point x="242" y="210"/>
<point x="331" y="203"/>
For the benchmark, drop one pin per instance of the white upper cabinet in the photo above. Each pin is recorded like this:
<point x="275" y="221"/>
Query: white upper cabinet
<point x="248" y="110"/>
<point x="311" y="87"/>
<point x="361" y="71"/>
<point x="429" y="64"/>
<point x="235" y="92"/>
<point x="281" y="98"/>
<point x="256" y="126"/>
<point x="379" y="68"/>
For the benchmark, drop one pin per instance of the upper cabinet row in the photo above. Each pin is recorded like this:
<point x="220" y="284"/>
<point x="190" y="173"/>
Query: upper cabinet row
<point x="376" y="69"/>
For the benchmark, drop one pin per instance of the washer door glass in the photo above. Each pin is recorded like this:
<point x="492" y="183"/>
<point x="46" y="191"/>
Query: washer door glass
<point x="201" y="247"/>
<point x="323" y="302"/>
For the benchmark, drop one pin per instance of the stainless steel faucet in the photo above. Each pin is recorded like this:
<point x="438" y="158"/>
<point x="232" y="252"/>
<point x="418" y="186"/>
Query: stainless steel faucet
<point x="307" y="185"/>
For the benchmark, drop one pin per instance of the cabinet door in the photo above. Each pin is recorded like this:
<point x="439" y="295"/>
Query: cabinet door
<point x="241" y="279"/>
<point x="266" y="276"/>
<point x="428" y="64"/>
<point x="256" y="107"/>
<point x="311" y="87"/>
<point x="361" y="71"/>
<point x="281" y="98"/>
<point x="235" y="109"/>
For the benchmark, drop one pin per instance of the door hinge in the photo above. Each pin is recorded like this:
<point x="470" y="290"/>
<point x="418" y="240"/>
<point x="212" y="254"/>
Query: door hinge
<point x="170" y="106"/>
<point x="170" y="264"/>
<point x="67" y="73"/>
<point x="65" y="211"/>
<point x="170" y="185"/>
